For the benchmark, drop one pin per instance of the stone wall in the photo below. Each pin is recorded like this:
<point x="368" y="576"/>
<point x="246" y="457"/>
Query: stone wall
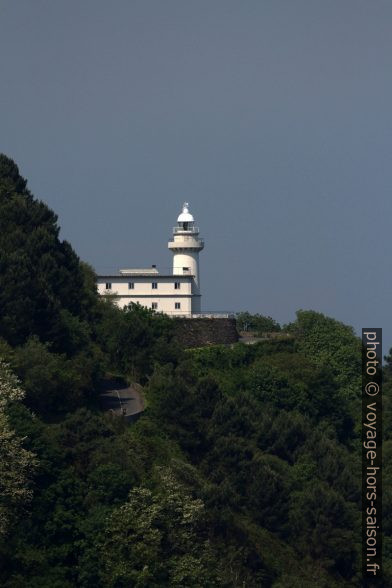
<point x="200" y="332"/>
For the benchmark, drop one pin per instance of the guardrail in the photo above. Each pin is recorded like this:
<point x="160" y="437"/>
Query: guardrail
<point x="211" y="315"/>
<point x="190" y="230"/>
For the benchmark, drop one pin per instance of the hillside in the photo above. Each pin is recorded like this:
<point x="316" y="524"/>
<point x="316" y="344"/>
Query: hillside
<point x="244" y="471"/>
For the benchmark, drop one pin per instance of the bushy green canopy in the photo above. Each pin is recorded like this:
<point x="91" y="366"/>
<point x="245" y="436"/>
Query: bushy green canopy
<point x="42" y="288"/>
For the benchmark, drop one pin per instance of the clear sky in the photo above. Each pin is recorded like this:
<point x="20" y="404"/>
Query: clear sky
<point x="272" y="118"/>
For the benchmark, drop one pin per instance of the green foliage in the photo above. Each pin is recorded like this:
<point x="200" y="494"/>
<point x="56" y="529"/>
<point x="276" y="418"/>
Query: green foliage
<point x="295" y="383"/>
<point x="328" y="342"/>
<point x="254" y="466"/>
<point x="157" y="539"/>
<point x="182" y="406"/>
<point x="48" y="303"/>
<point x="323" y="525"/>
<point x="256" y="323"/>
<point x="53" y="383"/>
<point x="42" y="287"/>
<point x="257" y="445"/>
<point x="16" y="463"/>
<point x="243" y="471"/>
<point x="135" y="338"/>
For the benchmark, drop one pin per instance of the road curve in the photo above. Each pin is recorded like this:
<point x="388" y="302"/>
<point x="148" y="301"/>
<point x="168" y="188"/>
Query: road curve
<point x="127" y="402"/>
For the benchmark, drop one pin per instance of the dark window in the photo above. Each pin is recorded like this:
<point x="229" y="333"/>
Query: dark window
<point x="108" y="286"/>
<point x="177" y="305"/>
<point x="154" y="305"/>
<point x="154" y="285"/>
<point x="177" y="285"/>
<point x="131" y="286"/>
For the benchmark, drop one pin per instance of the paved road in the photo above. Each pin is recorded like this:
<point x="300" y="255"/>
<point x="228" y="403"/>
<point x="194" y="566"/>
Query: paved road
<point x="123" y="401"/>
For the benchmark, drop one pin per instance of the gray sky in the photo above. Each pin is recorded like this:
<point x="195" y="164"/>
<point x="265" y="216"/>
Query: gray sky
<point x="272" y="118"/>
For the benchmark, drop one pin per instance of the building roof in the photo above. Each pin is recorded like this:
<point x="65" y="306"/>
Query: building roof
<point x="154" y="276"/>
<point x="139" y="270"/>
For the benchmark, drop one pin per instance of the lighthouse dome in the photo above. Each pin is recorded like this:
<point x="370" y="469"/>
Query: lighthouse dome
<point x="185" y="216"/>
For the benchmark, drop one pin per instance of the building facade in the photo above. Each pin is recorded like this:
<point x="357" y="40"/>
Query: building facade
<point x="176" y="294"/>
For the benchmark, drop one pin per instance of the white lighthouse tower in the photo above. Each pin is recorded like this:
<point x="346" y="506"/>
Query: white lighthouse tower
<point x="186" y="245"/>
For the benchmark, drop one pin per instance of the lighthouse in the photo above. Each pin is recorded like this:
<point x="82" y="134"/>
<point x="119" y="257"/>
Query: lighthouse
<point x="176" y="293"/>
<point x="186" y="245"/>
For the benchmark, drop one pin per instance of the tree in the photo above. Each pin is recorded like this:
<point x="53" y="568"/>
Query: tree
<point x="43" y="288"/>
<point x="323" y="526"/>
<point x="17" y="465"/>
<point x="135" y="338"/>
<point x="53" y="382"/>
<point x="256" y="322"/>
<point x="332" y="344"/>
<point x="156" y="539"/>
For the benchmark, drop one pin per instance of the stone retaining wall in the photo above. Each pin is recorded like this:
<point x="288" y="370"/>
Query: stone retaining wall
<point x="205" y="331"/>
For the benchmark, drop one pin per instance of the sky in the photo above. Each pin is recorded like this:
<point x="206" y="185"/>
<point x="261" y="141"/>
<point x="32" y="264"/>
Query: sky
<point x="273" y="119"/>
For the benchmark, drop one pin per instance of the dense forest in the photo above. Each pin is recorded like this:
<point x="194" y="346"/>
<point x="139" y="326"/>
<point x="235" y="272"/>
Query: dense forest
<point x="243" y="471"/>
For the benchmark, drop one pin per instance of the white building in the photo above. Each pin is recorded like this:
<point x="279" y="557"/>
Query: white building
<point x="177" y="293"/>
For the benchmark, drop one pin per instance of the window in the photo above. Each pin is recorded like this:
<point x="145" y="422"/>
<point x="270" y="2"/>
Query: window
<point x="108" y="286"/>
<point x="177" y="285"/>
<point x="131" y="286"/>
<point x="154" y="285"/>
<point x="177" y="305"/>
<point x="154" y="305"/>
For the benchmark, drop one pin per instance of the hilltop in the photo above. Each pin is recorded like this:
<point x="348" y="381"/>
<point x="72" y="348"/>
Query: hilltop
<point x="244" y="470"/>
